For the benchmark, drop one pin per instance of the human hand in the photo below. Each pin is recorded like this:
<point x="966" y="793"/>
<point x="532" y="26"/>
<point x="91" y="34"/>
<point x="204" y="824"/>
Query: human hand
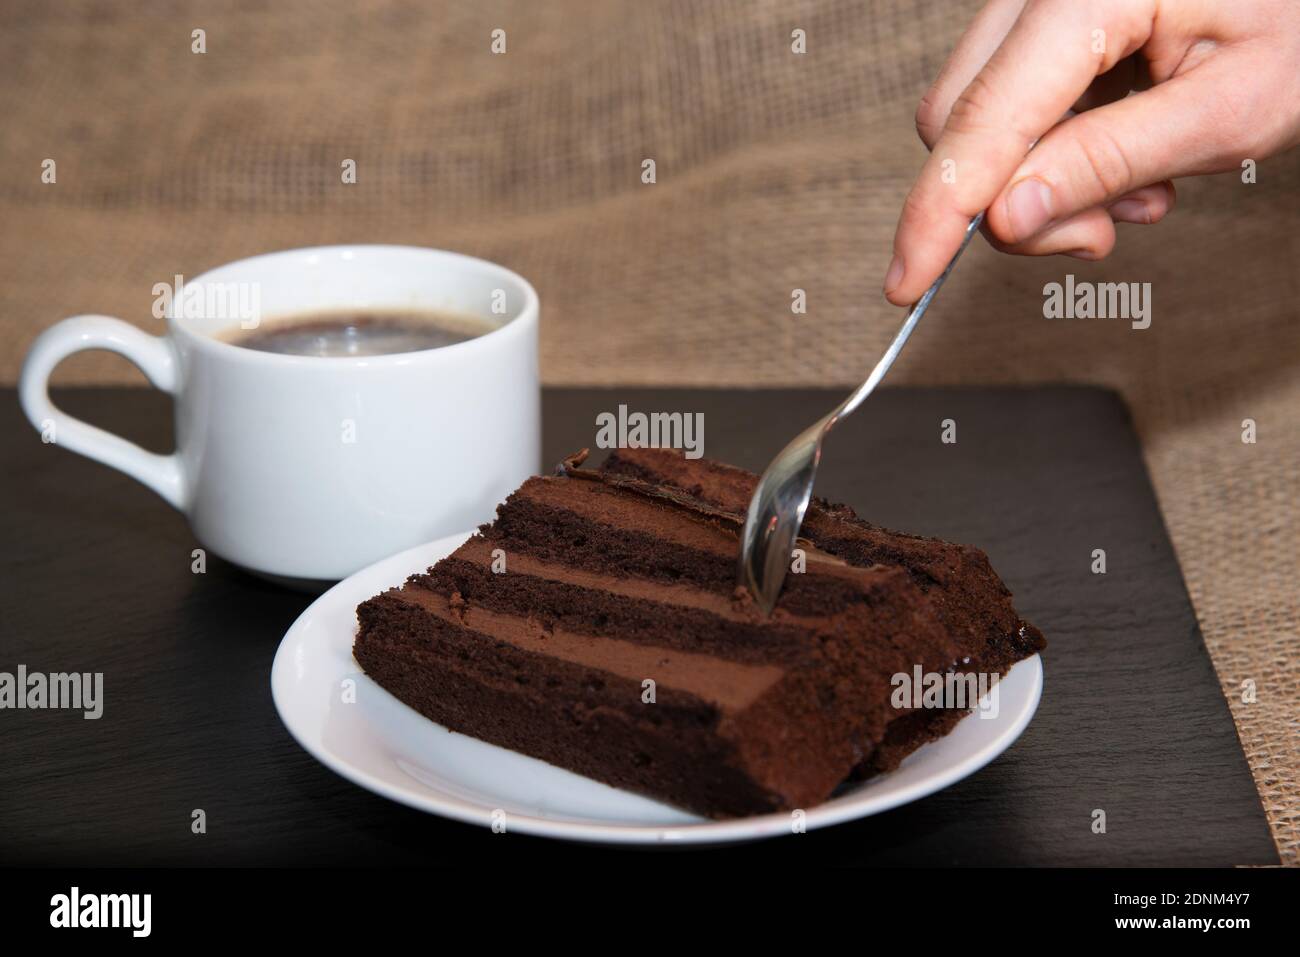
<point x="1219" y="83"/>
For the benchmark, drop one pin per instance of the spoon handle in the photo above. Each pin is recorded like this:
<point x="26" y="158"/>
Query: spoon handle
<point x="913" y="317"/>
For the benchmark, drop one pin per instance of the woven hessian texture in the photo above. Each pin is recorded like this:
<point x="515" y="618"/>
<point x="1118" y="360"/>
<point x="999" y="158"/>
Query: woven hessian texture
<point x="775" y="171"/>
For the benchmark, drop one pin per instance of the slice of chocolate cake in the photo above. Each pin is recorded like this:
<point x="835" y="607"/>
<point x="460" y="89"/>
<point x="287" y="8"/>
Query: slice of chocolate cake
<point x="597" y="625"/>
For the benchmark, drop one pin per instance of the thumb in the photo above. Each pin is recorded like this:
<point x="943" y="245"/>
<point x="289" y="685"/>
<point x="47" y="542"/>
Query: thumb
<point x="1094" y="158"/>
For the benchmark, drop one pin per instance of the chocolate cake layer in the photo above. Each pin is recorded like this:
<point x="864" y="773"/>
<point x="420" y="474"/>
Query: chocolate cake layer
<point x="596" y="624"/>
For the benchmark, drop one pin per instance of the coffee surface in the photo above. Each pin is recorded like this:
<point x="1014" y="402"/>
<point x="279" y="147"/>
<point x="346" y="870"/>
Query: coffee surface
<point x="356" y="333"/>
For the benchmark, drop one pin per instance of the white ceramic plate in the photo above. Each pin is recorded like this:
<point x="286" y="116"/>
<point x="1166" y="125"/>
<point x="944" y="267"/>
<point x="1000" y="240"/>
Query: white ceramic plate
<point x="386" y="747"/>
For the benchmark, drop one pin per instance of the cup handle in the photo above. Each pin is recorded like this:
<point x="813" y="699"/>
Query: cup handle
<point x="153" y="355"/>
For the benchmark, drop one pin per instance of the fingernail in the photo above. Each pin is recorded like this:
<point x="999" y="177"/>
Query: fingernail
<point x="1029" y="207"/>
<point x="1131" y="211"/>
<point x="894" y="276"/>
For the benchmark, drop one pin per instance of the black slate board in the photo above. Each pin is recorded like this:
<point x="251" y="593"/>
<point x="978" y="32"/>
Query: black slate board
<point x="96" y="577"/>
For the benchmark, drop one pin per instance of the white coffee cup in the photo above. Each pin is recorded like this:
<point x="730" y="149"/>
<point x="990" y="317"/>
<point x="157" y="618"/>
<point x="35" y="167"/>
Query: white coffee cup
<point x="305" y="467"/>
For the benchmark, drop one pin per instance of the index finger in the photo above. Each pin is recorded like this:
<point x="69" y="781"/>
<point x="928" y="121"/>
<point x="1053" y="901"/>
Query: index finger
<point x="1053" y="52"/>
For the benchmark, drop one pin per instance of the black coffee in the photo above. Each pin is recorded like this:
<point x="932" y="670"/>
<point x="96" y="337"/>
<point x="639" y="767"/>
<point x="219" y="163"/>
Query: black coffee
<point x="360" y="333"/>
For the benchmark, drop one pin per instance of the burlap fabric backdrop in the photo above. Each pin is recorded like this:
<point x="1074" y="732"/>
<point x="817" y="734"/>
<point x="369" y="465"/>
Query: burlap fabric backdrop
<point x="775" y="171"/>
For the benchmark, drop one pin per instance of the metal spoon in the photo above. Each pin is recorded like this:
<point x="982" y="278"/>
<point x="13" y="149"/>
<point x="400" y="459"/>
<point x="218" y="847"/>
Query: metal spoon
<point x="777" y="508"/>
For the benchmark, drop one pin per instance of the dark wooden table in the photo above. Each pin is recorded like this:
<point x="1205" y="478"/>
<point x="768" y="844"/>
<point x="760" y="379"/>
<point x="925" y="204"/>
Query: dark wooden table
<point x="96" y="577"/>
